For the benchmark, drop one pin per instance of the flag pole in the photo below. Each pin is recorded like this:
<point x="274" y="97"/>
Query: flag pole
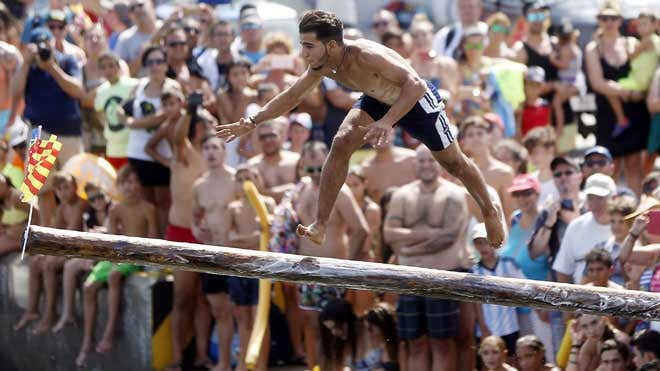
<point x="33" y="140"/>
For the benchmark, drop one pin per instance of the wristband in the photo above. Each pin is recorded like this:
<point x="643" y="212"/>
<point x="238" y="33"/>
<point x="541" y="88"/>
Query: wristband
<point x="252" y="122"/>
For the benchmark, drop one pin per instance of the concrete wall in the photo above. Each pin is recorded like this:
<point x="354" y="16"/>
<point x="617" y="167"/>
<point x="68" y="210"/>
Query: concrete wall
<point x="21" y="350"/>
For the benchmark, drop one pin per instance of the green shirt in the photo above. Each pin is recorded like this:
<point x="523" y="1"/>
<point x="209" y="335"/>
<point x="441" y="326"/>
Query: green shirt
<point x="108" y="98"/>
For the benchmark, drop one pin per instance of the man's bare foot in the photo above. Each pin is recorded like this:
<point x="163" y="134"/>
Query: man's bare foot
<point x="104" y="346"/>
<point x="64" y="322"/>
<point x="42" y="327"/>
<point x="495" y="228"/>
<point x="315" y="232"/>
<point x="26" y="318"/>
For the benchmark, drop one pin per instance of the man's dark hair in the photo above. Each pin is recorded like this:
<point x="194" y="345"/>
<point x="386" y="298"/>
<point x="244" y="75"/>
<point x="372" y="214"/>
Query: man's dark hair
<point x="325" y="25"/>
<point x="647" y="341"/>
<point x="391" y="35"/>
<point x="599" y="255"/>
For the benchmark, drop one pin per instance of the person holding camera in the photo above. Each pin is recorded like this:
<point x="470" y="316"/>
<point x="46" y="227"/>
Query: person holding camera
<point x="51" y="84"/>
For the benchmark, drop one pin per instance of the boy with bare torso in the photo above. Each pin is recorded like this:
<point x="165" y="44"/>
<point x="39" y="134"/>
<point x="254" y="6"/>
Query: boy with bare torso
<point x="244" y="292"/>
<point x="184" y="128"/>
<point x="346" y="231"/>
<point x="68" y="215"/>
<point x="212" y="194"/>
<point x="135" y="217"/>
<point x="394" y="94"/>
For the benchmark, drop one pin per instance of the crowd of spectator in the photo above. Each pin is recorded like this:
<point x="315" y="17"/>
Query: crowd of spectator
<point x="147" y="95"/>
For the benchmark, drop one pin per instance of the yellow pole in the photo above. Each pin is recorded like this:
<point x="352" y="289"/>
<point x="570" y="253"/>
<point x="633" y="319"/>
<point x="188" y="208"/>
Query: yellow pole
<point x="263" y="308"/>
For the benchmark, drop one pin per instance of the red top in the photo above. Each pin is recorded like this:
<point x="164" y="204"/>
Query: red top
<point x="535" y="115"/>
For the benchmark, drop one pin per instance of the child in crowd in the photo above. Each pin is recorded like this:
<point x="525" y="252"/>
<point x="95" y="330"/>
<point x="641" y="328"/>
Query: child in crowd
<point x="94" y="220"/>
<point x="568" y="60"/>
<point x="244" y="292"/>
<point x="13" y="216"/>
<point x="532" y="355"/>
<point x="135" y="217"/>
<point x="643" y="61"/>
<point x="368" y="342"/>
<point x="493" y="353"/>
<point x="494" y="319"/>
<point x="68" y="215"/>
<point x="535" y="110"/>
<point x="541" y="143"/>
<point x="599" y="269"/>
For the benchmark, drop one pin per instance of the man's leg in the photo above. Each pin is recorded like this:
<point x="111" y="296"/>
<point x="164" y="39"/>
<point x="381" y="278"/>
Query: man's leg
<point x="115" y="281"/>
<point x="418" y="354"/>
<point x="458" y="165"/>
<point x="443" y="352"/>
<point x="202" y="323"/>
<point x="52" y="266"/>
<point x="349" y="139"/>
<point x="184" y="297"/>
<point x="442" y="318"/>
<point x="89" y="317"/>
<point x="69" y="280"/>
<point x="35" y="283"/>
<point x="465" y="341"/>
<point x="221" y="311"/>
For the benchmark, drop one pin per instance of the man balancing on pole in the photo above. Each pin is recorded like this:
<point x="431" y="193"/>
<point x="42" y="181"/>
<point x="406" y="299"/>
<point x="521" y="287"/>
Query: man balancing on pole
<point x="393" y="94"/>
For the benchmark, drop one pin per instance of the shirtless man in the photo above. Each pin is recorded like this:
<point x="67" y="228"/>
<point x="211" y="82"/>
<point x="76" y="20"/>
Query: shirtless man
<point x="472" y="136"/>
<point x="186" y="166"/>
<point x="134" y="217"/>
<point x="345" y="234"/>
<point x="212" y="193"/>
<point x="68" y="215"/>
<point x="393" y="94"/>
<point x="391" y="166"/>
<point x="276" y="165"/>
<point x="244" y="233"/>
<point x="426" y="225"/>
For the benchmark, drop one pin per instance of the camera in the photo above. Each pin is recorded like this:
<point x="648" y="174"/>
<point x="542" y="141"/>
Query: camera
<point x="567" y="204"/>
<point x="44" y="51"/>
<point x="195" y="99"/>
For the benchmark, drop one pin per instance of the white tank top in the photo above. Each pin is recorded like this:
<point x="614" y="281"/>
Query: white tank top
<point x="138" y="138"/>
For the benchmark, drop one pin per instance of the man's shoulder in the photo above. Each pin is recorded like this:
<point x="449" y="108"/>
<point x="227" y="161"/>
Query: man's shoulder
<point x="408" y="189"/>
<point x="127" y="34"/>
<point x="453" y="190"/>
<point x="290" y="156"/>
<point x="256" y="160"/>
<point x="500" y="168"/>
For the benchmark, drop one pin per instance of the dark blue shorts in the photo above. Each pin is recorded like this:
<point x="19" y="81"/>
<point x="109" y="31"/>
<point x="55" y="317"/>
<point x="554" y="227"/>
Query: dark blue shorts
<point x="244" y="291"/>
<point x="418" y="315"/>
<point x="426" y="121"/>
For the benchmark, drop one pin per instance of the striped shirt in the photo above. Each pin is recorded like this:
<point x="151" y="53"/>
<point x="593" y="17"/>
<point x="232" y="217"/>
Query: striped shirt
<point x="501" y="320"/>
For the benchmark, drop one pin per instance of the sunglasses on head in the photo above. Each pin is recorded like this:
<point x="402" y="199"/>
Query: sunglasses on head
<point x="313" y="169"/>
<point x="154" y="62"/>
<point x="174" y="44"/>
<point x="558" y="174"/>
<point x="188" y="29"/>
<point x="56" y="26"/>
<point x="536" y="17"/>
<point x="608" y="18"/>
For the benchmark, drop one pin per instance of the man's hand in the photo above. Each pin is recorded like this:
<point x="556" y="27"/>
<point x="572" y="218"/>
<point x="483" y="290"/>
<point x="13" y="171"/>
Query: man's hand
<point x="232" y="131"/>
<point x="378" y="133"/>
<point x="639" y="225"/>
<point x="29" y="53"/>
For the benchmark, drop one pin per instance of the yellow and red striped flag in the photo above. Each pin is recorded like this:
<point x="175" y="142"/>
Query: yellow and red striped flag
<point x="41" y="159"/>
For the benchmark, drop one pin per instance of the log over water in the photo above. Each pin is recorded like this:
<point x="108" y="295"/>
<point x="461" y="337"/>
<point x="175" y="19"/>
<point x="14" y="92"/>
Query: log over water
<point x="345" y="273"/>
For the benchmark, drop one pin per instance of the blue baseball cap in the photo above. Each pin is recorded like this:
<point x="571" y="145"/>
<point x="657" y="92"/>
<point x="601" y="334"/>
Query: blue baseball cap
<point x="598" y="150"/>
<point x="40" y="34"/>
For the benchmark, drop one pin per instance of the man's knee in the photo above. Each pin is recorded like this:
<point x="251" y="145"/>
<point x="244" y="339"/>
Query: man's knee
<point x="418" y="346"/>
<point x="115" y="278"/>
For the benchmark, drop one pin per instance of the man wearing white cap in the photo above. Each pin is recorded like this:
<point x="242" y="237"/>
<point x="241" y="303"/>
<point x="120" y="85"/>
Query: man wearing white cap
<point x="300" y="128"/>
<point x="585" y="231"/>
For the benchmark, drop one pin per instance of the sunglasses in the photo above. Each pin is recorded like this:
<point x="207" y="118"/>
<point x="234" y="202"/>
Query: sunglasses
<point x="189" y="29"/>
<point x="526" y="193"/>
<point x="379" y="24"/>
<point x="474" y="46"/>
<point x="608" y="18"/>
<point x="558" y="174"/>
<point x="134" y="6"/>
<point x="250" y="26"/>
<point x="154" y="62"/>
<point x="95" y="197"/>
<point x="313" y="169"/>
<point x="498" y="28"/>
<point x="56" y="26"/>
<point x="174" y="44"/>
<point x="222" y="34"/>
<point x="536" y="17"/>
<point x="596" y="163"/>
<point x="263" y="137"/>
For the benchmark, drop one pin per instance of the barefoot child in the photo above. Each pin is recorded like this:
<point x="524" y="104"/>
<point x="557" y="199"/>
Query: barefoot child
<point x="131" y="217"/>
<point x="244" y="292"/>
<point x="94" y="220"/>
<point x="68" y="215"/>
<point x="643" y="61"/>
